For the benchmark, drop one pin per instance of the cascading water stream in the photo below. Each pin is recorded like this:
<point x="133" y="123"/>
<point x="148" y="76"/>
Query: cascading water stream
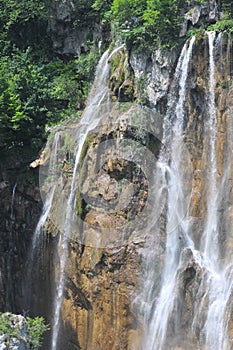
<point x="165" y="290"/>
<point x="98" y="103"/>
<point x="12" y="202"/>
<point x="211" y="235"/>
<point x="36" y="239"/>
<point x="176" y="208"/>
<point x="212" y="310"/>
<point x="47" y="204"/>
<point x="220" y="276"/>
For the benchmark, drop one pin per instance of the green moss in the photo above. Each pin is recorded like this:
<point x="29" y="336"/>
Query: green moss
<point x="117" y="61"/>
<point x="69" y="143"/>
<point x="87" y="208"/>
<point x="79" y="203"/>
<point x="112" y="46"/>
<point x="85" y="149"/>
<point x="141" y="86"/>
<point x="124" y="106"/>
<point x="81" y="207"/>
<point x="199" y="33"/>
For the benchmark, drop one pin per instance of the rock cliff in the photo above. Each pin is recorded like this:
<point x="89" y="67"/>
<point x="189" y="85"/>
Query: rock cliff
<point x="105" y="262"/>
<point x="19" y="211"/>
<point x="72" y="29"/>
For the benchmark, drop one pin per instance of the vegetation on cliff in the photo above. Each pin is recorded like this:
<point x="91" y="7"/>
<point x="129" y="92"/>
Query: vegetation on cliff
<point x="38" y="88"/>
<point x="29" y="331"/>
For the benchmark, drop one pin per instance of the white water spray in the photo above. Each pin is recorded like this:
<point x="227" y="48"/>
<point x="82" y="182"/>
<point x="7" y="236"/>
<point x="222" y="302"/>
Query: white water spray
<point x="176" y="210"/>
<point x="220" y="276"/>
<point x="212" y="305"/>
<point x="211" y="235"/>
<point x="98" y="101"/>
<point x="13" y="201"/>
<point x="48" y="201"/>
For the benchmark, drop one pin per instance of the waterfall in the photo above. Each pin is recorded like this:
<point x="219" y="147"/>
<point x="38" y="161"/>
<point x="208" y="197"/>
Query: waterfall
<point x="212" y="309"/>
<point x="220" y="280"/>
<point x="98" y="102"/>
<point x="185" y="259"/>
<point x="12" y="202"/>
<point x="49" y="197"/>
<point x="211" y="235"/>
<point x="45" y="210"/>
<point x="36" y="238"/>
<point x="173" y="178"/>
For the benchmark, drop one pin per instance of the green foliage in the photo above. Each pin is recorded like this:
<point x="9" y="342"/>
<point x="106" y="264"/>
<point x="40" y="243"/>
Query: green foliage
<point x="226" y="22"/>
<point x="37" y="90"/>
<point x="147" y="23"/>
<point x="24" y="100"/>
<point x="103" y="8"/>
<point x="64" y="88"/>
<point x="198" y="32"/>
<point x="5" y="326"/>
<point x="23" y="23"/>
<point x="34" y="94"/>
<point x="222" y="25"/>
<point x="141" y="85"/>
<point x="227" y="7"/>
<point x="36" y="327"/>
<point x="85" y="68"/>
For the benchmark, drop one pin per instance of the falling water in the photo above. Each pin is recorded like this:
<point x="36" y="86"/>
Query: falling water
<point x="220" y="277"/>
<point x="211" y="236"/>
<point x="212" y="305"/>
<point x="176" y="210"/>
<point x="36" y="239"/>
<point x="12" y="202"/>
<point x="48" y="201"/>
<point x="212" y="308"/>
<point x="98" y="101"/>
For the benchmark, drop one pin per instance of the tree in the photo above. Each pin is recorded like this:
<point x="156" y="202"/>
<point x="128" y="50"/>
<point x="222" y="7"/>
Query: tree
<point x="148" y="23"/>
<point x="36" y="329"/>
<point x="227" y="7"/>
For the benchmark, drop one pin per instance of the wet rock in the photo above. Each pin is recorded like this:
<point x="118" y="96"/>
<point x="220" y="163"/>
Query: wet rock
<point x="153" y="73"/>
<point x="122" y="80"/>
<point x="69" y="37"/>
<point x="201" y="14"/>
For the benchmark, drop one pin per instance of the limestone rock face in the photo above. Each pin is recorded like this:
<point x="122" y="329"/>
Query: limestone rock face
<point x="122" y="82"/>
<point x="105" y="264"/>
<point x="70" y="37"/>
<point x="199" y="14"/>
<point x="153" y="73"/>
